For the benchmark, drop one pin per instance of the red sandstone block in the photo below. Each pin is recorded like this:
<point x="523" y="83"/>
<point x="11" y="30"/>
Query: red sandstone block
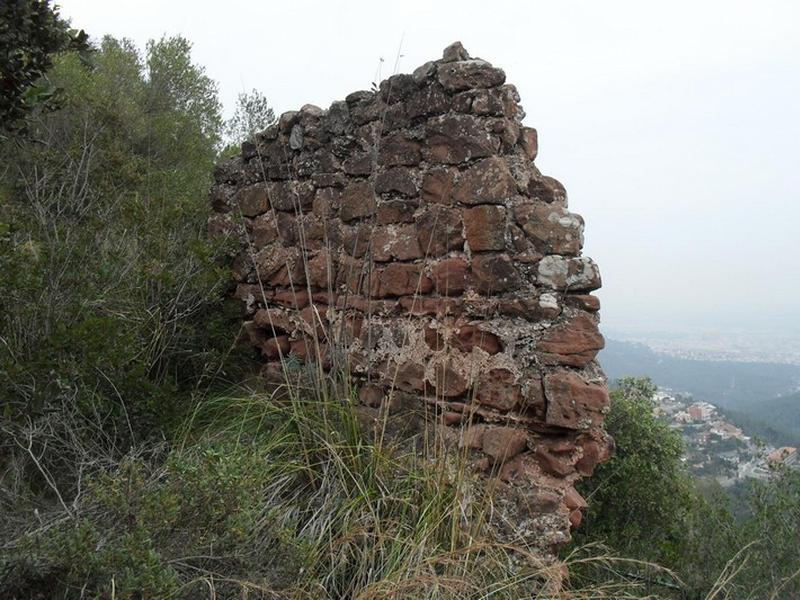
<point x="452" y="418"/>
<point x="398" y="279"/>
<point x="455" y="138"/>
<point x="275" y="347"/>
<point x="498" y="389"/>
<point x="585" y="302"/>
<point x="439" y="231"/>
<point x="350" y="275"/>
<point x="576" y="343"/>
<point x="547" y="189"/>
<point x="468" y="74"/>
<point x="529" y="140"/>
<point x="433" y="339"/>
<point x="409" y="377"/>
<point x="503" y="443"/>
<point x="296" y="299"/>
<point x="450" y="276"/>
<point x="286" y="276"/>
<point x="286" y="226"/>
<point x="431" y="306"/>
<point x="356" y="239"/>
<point x="396" y="211"/>
<point x="491" y="102"/>
<point x="472" y="436"/>
<point x="396" y="150"/>
<point x="397" y="179"/>
<point x="316" y="317"/>
<point x="328" y="180"/>
<point x="507" y="130"/>
<point x="326" y="297"/>
<point x="291" y="196"/>
<point x="488" y="181"/>
<point x="275" y="321"/>
<point x="573" y="500"/>
<point x="252" y="201"/>
<point x="271" y="259"/>
<point x="428" y="100"/>
<point x="556" y="456"/>
<point x="397" y="87"/>
<point x="553" y="229"/>
<point x="370" y="395"/>
<point x="310" y="351"/>
<point x="485" y="228"/>
<point x="394" y="242"/>
<point x="366" y="306"/>
<point x="449" y="381"/>
<point x="492" y="274"/>
<point x="594" y="453"/>
<point x="359" y="164"/>
<point x="529" y="308"/>
<point x="353" y="327"/>
<point x="468" y="337"/>
<point x="534" y="402"/>
<point x="263" y="230"/>
<point x="437" y="186"/>
<point x="320" y="270"/>
<point x="572" y="402"/>
<point x="357" y="201"/>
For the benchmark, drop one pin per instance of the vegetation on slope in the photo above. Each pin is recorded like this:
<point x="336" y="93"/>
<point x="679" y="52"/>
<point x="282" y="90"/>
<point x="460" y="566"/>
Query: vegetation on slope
<point x="272" y="496"/>
<point x="643" y="504"/>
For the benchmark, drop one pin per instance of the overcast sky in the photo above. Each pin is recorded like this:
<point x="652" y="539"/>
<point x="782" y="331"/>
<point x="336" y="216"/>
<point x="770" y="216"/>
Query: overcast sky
<point x="674" y="125"/>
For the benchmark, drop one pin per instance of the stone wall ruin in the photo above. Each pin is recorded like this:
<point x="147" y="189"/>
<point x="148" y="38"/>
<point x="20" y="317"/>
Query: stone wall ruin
<point x="407" y="232"/>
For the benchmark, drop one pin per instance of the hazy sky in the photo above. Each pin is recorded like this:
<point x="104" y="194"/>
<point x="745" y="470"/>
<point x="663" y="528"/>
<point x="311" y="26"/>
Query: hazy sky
<point x="674" y="125"/>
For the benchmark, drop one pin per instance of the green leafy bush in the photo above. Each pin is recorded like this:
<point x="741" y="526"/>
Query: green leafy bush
<point x="643" y="505"/>
<point x="111" y="294"/>
<point x="638" y="500"/>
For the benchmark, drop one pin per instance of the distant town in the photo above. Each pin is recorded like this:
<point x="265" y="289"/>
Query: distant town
<point x="716" y="447"/>
<point x="770" y="347"/>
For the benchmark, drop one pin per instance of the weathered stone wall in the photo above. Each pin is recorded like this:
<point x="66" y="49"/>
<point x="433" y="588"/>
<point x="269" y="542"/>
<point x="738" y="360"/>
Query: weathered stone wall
<point x="406" y="234"/>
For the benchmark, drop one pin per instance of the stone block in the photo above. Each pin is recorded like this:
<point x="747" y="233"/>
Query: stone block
<point x="485" y="228"/>
<point x="575" y="343"/>
<point x="488" y="181"/>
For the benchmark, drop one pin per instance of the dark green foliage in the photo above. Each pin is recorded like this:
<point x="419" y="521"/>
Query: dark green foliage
<point x="638" y="500"/>
<point x="773" y="528"/>
<point x="643" y="505"/>
<point x="111" y="311"/>
<point x="31" y="33"/>
<point x="152" y="523"/>
<point x="775" y="420"/>
<point x="110" y="289"/>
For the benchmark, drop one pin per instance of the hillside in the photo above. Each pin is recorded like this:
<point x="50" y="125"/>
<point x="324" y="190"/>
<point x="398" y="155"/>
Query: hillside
<point x="760" y="396"/>
<point x="776" y="420"/>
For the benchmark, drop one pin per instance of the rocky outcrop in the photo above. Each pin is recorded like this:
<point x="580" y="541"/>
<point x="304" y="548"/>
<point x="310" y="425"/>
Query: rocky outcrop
<point x="406" y="235"/>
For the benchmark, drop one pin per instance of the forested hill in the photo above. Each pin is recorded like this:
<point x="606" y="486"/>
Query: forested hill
<point x="764" y="392"/>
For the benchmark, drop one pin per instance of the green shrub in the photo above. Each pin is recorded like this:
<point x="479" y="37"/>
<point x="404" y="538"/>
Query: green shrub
<point x="643" y="505"/>
<point x="111" y="294"/>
